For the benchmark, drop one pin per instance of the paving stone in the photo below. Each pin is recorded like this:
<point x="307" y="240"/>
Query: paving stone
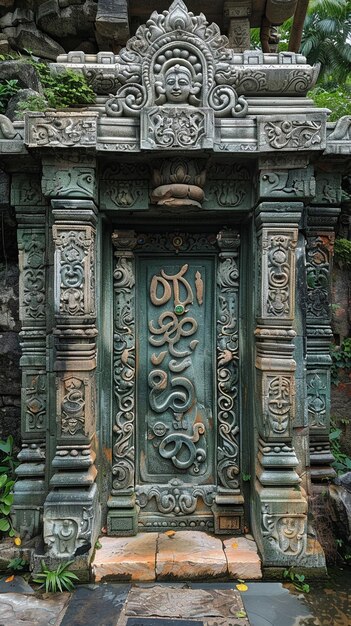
<point x="107" y="599"/>
<point x="243" y="559"/>
<point x="160" y="601"/>
<point x="190" y="555"/>
<point x="28" y="610"/>
<point x="126" y="558"/>
<point x="270" y="604"/>
<point x="17" y="585"/>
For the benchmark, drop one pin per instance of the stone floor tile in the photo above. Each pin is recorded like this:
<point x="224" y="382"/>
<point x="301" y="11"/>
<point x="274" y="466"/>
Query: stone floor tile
<point x="177" y="603"/>
<point x="126" y="558"/>
<point x="28" y="610"/>
<point x="243" y="559"/>
<point x="190" y="555"/>
<point x="270" y="604"/>
<point x="106" y="600"/>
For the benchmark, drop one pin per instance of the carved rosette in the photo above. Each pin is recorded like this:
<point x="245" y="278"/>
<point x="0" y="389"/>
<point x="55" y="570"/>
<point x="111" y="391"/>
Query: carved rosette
<point x="123" y="463"/>
<point x="75" y="275"/>
<point x="278" y="273"/>
<point x="227" y="361"/>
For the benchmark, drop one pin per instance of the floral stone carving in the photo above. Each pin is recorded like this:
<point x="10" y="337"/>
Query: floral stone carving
<point x="178" y="182"/>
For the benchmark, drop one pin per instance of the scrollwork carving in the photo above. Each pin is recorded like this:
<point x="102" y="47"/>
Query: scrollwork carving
<point x="35" y="402"/>
<point x="32" y="249"/>
<point x="176" y="497"/>
<point x="227" y="356"/>
<point x="124" y="362"/>
<point x="317" y="275"/>
<point x="293" y="134"/>
<point x="61" y="129"/>
<point x="317" y="399"/>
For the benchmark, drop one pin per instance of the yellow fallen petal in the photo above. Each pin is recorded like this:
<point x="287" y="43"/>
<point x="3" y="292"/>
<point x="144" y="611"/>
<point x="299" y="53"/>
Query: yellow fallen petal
<point x="9" y="579"/>
<point x="170" y="533"/>
<point x="17" y="541"/>
<point x="234" y="545"/>
<point x="241" y="587"/>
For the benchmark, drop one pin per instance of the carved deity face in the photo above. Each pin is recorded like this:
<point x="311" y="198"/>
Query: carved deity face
<point x="178" y="85"/>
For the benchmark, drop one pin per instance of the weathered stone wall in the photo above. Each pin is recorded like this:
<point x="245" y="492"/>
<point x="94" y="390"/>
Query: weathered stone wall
<point x="10" y="381"/>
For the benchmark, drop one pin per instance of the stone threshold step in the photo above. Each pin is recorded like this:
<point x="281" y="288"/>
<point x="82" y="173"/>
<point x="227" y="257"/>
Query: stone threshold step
<point x="182" y="555"/>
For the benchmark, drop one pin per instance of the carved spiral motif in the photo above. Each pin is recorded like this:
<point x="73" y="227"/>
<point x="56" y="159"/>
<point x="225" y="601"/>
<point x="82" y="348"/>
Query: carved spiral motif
<point x="129" y="100"/>
<point x="224" y="100"/>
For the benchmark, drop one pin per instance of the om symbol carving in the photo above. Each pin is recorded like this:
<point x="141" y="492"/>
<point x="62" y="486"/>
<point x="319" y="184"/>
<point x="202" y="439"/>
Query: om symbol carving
<point x="171" y="380"/>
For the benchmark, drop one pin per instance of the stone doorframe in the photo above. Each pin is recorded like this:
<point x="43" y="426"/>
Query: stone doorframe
<point x="224" y="494"/>
<point x="283" y="168"/>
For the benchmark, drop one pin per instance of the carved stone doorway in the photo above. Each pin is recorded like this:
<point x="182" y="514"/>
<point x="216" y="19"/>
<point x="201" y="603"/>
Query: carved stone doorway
<point x="176" y="448"/>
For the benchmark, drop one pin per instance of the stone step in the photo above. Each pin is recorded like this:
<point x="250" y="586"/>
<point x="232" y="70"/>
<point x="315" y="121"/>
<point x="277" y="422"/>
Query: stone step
<point x="183" y="555"/>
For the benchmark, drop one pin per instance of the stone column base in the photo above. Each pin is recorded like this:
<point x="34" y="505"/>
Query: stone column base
<point x="282" y="536"/>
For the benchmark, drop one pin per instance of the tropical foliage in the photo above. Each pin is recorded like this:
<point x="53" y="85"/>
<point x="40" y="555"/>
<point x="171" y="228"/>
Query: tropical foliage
<point x="326" y="39"/>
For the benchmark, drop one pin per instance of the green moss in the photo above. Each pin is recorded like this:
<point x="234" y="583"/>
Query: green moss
<point x="342" y="252"/>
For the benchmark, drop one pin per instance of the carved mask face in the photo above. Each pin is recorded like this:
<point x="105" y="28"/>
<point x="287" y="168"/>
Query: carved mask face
<point x="178" y="85"/>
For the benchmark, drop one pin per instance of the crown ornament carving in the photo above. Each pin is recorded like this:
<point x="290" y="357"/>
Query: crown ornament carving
<point x="172" y="61"/>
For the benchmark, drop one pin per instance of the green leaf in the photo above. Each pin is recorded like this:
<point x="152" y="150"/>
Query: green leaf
<point x="4" y="524"/>
<point x="3" y="480"/>
<point x="335" y="434"/>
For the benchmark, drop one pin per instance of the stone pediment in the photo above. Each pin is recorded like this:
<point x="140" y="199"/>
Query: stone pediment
<point x="178" y="86"/>
<point x="176" y="36"/>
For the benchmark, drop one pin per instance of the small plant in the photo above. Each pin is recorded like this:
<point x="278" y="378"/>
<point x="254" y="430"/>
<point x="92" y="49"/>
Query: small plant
<point x="8" y="88"/>
<point x="342" y="462"/>
<point x="59" y="579"/>
<point x="6" y="500"/>
<point x="32" y="103"/>
<point x="298" y="580"/>
<point x="246" y="477"/>
<point x="7" y="481"/>
<point x="17" y="565"/>
<point x="8" y="462"/>
<point x="341" y="359"/>
<point x="342" y="252"/>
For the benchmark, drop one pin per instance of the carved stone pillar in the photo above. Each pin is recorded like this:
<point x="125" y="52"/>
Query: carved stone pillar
<point x="122" y="518"/>
<point x="321" y="221"/>
<point x="280" y="502"/>
<point x="236" y="15"/>
<point x="72" y="512"/>
<point x="30" y="488"/>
